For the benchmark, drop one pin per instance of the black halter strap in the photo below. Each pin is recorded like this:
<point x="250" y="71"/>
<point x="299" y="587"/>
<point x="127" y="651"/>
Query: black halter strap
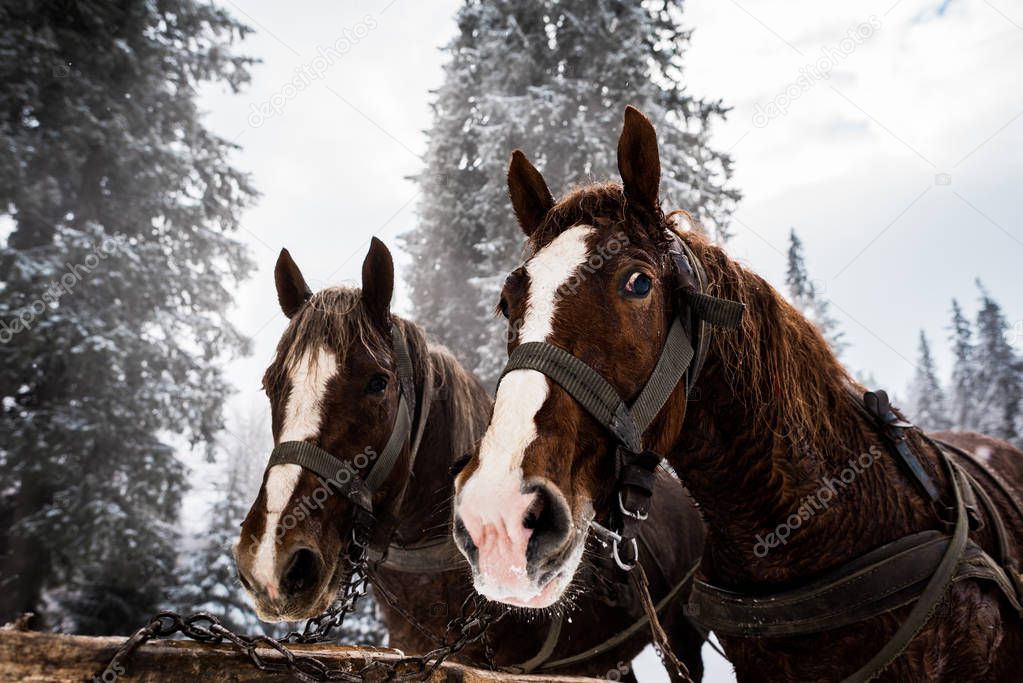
<point x="681" y="357"/>
<point x="373" y="529"/>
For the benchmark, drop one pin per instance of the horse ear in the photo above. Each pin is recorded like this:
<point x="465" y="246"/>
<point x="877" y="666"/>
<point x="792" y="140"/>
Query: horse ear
<point x="638" y="161"/>
<point x="378" y="283"/>
<point x="529" y="194"/>
<point x="292" y="291"/>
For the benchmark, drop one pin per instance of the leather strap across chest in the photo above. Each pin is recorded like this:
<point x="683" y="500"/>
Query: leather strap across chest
<point x="914" y="570"/>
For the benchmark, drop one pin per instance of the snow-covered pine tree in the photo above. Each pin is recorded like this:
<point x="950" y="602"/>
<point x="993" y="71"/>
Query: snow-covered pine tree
<point x="928" y="406"/>
<point x="209" y="578"/>
<point x="998" y="382"/>
<point x="804" y="295"/>
<point x="551" y="78"/>
<point x="963" y="399"/>
<point x="116" y="275"/>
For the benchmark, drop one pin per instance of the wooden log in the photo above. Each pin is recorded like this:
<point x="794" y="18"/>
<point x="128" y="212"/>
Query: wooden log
<point x="31" y="657"/>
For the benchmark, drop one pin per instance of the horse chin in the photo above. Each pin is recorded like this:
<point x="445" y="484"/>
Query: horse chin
<point x="297" y="610"/>
<point x="548" y="596"/>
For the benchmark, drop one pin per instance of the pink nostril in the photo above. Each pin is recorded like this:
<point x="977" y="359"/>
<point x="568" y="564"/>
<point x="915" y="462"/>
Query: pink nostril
<point x="493" y="525"/>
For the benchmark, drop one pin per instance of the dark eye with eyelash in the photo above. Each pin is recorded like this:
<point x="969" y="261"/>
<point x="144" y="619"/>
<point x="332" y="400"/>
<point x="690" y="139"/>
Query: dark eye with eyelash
<point x="637" y="284"/>
<point x="376" y="384"/>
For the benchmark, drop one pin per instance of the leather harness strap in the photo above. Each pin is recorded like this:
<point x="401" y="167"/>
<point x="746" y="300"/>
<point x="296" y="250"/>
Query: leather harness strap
<point x="583" y="383"/>
<point x="540" y="659"/>
<point x="329" y="468"/>
<point x="432" y="557"/>
<point x="635" y="468"/>
<point x="615" y="640"/>
<point x="373" y="529"/>
<point x="932" y="594"/>
<point x="882" y="580"/>
<point x="681" y="357"/>
<point x="917" y="569"/>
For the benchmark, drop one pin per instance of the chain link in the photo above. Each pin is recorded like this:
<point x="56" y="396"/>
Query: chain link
<point x="469" y="627"/>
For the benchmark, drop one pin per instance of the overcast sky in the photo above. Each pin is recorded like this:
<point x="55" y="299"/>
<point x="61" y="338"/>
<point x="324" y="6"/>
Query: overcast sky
<point x="897" y="157"/>
<point x="888" y="134"/>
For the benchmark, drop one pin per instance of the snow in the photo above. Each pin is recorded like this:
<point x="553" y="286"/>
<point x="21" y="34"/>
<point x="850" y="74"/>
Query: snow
<point x="648" y="669"/>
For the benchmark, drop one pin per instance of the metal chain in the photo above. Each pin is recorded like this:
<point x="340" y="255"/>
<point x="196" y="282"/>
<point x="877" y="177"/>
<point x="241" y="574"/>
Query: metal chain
<point x="480" y="606"/>
<point x="470" y="627"/>
<point x="319" y="628"/>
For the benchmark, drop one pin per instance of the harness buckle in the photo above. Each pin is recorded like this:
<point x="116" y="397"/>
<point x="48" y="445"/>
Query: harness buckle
<point x="635" y="514"/>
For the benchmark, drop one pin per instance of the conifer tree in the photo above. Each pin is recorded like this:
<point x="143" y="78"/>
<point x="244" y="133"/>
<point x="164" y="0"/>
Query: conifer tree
<point x="209" y="580"/>
<point x="804" y="295"/>
<point x="927" y="397"/>
<point x="116" y="278"/>
<point x="998" y="380"/>
<point x="963" y="396"/>
<point x="551" y="78"/>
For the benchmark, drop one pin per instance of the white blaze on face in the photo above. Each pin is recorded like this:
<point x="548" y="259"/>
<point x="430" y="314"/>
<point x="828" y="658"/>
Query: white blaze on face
<point x="308" y="377"/>
<point x="522" y="392"/>
<point x="494" y="489"/>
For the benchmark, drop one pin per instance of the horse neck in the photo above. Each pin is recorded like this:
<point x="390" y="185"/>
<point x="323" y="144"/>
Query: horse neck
<point x="459" y="411"/>
<point x="773" y="440"/>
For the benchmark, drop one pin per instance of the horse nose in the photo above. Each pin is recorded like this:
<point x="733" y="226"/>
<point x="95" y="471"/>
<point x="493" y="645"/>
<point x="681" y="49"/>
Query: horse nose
<point x="301" y="572"/>
<point x="507" y="533"/>
<point x="548" y="519"/>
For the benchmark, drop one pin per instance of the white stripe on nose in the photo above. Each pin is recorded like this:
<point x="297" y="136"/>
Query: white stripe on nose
<point x="484" y="499"/>
<point x="302" y="417"/>
<point x="522" y="392"/>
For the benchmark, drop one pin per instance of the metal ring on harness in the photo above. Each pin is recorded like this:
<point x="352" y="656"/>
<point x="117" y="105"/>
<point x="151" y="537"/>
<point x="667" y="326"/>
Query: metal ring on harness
<point x="637" y="515"/>
<point x="355" y="539"/>
<point x="626" y="566"/>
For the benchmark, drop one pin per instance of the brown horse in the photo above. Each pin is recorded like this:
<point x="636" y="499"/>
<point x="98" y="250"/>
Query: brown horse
<point x="771" y="417"/>
<point x="333" y="384"/>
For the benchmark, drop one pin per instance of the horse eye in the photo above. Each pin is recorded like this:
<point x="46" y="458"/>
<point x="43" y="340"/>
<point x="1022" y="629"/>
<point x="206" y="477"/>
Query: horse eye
<point x="377" y="383"/>
<point x="638" y="284"/>
<point x="503" y="305"/>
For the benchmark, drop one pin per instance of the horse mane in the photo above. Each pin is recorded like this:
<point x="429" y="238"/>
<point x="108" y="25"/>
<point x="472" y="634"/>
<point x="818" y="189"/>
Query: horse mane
<point x="779" y="365"/>
<point x="463" y="395"/>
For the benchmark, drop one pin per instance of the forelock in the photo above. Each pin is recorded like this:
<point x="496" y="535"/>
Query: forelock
<point x="601" y="205"/>
<point x="335" y="319"/>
